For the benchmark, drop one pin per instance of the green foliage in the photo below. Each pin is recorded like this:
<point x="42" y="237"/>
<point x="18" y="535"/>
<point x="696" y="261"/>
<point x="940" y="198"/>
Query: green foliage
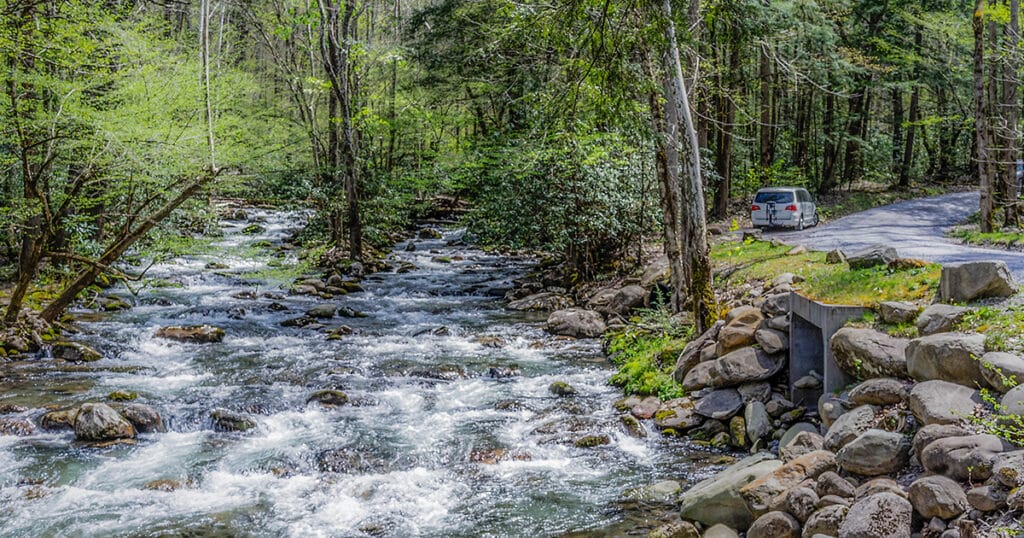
<point x="999" y="422"/>
<point x="646" y="355"/>
<point x="1003" y="327"/>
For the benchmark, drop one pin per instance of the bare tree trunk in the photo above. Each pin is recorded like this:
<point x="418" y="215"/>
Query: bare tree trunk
<point x="204" y="46"/>
<point x="1009" y="113"/>
<point x="897" y="132"/>
<point x="980" y="123"/>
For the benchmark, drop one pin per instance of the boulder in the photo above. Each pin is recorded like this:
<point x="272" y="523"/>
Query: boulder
<point x="933" y="432"/>
<point x="949" y="357"/>
<point x="60" y="419"/>
<point x="898" y="312"/>
<point x="759" y="390"/>
<point x="700" y="376"/>
<point x="987" y="498"/>
<point x="199" y="334"/>
<point x="941" y="402"/>
<point x="939" y="318"/>
<point x="759" y="493"/>
<point x="229" y="421"/>
<point x="541" y="302"/>
<point x="717" y="500"/>
<point x="1008" y="469"/>
<point x="800" y="501"/>
<point x="867" y="353"/>
<point x="882" y="514"/>
<point x="835" y="256"/>
<point x="962" y="282"/>
<point x="850" y="426"/>
<point x="678" y="417"/>
<point x="970" y="457"/>
<point x="328" y="398"/>
<point x="720" y="404"/>
<point x="690" y="355"/>
<point x="830" y="483"/>
<point x="1013" y="401"/>
<point x="775" y="525"/>
<point x="871" y="256"/>
<point x="802" y="443"/>
<point x="744" y="366"/>
<point x="74" y="352"/>
<point x="776" y="304"/>
<point x="830" y="408"/>
<point x="721" y="531"/>
<point x="99" y="422"/>
<point x="758" y="423"/>
<point x="144" y="418"/>
<point x="998" y="368"/>
<point x="790" y="434"/>
<point x="646" y="408"/>
<point x="656" y="272"/>
<point x="937" y="496"/>
<point x="880" y="391"/>
<point x="322" y="311"/>
<point x="576" y="322"/>
<point x="875" y="452"/>
<point x="825" y="522"/>
<point x="740" y="325"/>
<point x="879" y="485"/>
<point x="675" y="529"/>
<point x="623" y="300"/>
<point x="772" y="341"/>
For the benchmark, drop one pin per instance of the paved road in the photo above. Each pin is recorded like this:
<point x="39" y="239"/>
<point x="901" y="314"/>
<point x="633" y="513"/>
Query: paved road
<point x="916" y="228"/>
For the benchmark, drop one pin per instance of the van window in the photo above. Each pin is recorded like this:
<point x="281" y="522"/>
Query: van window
<point x="777" y="197"/>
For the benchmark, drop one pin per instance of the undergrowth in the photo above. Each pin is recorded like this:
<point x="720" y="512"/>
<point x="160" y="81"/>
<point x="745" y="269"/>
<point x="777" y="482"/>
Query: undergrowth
<point x="645" y="353"/>
<point x="1003" y="327"/>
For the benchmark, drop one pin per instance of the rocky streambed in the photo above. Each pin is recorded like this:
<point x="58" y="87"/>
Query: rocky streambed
<point x="408" y="402"/>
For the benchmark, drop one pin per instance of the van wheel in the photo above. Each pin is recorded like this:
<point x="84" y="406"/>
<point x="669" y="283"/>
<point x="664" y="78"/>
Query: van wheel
<point x="816" y="219"/>
<point x="800" y="224"/>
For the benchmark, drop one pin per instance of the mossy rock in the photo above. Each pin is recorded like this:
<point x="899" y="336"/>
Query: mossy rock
<point x="591" y="441"/>
<point x="665" y="414"/>
<point x="561" y="389"/>
<point x="328" y="397"/>
<point x="441" y="259"/>
<point x="228" y="421"/>
<point x="217" y="265"/>
<point x="253" y="229"/>
<point x="122" y="396"/>
<point x="262" y="244"/>
<point x="75" y="352"/>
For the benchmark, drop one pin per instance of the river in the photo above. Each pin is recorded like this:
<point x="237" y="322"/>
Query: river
<point x="408" y="455"/>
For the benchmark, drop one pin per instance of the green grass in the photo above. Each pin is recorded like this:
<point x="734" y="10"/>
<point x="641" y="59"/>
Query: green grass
<point x="737" y="262"/>
<point x="645" y="355"/>
<point x="1003" y="327"/>
<point x="1003" y="239"/>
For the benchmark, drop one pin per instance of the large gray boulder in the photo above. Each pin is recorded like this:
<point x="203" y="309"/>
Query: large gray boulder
<point x="99" y="422"/>
<point x="882" y="514"/>
<point x="898" y="312"/>
<point x="867" y="353"/>
<point x="939" y="318"/>
<point x="541" y="302"/>
<point x="875" y="452"/>
<point x="721" y="404"/>
<point x="880" y="391"/>
<point x="657" y="271"/>
<point x="962" y="282"/>
<point x="744" y="366"/>
<point x="970" y="457"/>
<point x="775" y="525"/>
<point x="619" y="301"/>
<point x="938" y="496"/>
<point x="999" y="368"/>
<point x="1008" y="469"/>
<point x="199" y="334"/>
<point x="700" y="376"/>
<point x="1013" y="401"/>
<point x="690" y="355"/>
<point x="576" y="322"/>
<point x="760" y="493"/>
<point x="927" y="435"/>
<point x="949" y="357"/>
<point x="825" y="522"/>
<point x="850" y="426"/>
<point x="717" y="499"/>
<point x="772" y="341"/>
<point x="942" y="402"/>
<point x="871" y="256"/>
<point x="757" y="421"/>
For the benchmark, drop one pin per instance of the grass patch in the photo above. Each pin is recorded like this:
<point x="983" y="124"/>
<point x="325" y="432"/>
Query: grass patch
<point x="645" y="354"/>
<point x="750" y="260"/>
<point x="1003" y="327"/>
<point x="1009" y="239"/>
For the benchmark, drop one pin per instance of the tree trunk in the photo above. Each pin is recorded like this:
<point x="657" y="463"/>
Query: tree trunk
<point x="767" y="125"/>
<point x="1009" y="114"/>
<point x="897" y="132"/>
<point x="980" y="123"/>
<point x="831" y="151"/>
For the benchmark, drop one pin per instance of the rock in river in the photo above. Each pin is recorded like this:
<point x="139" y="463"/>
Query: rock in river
<point x="99" y="422"/>
<point x="200" y="334"/>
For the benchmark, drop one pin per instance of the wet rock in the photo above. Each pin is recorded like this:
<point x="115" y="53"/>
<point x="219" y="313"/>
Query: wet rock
<point x="717" y="499"/>
<point x="99" y="422"/>
<point x="880" y="391"/>
<point x="253" y="229"/>
<point x="675" y="529"/>
<point x="871" y="257"/>
<point x="576" y="322"/>
<point x="999" y="368"/>
<point x="8" y="409"/>
<point x="898" y="312"/>
<point x="199" y="334"/>
<point x="632" y="427"/>
<point x="122" y="396"/>
<point x="541" y="302"/>
<point x="301" y="321"/>
<point x="229" y="421"/>
<point x="939" y="318"/>
<point x="941" y="402"/>
<point x="74" y="352"/>
<point x="347" y="312"/>
<point x="963" y="282"/>
<point x="349" y="461"/>
<point x="16" y="426"/>
<point x="775" y="525"/>
<point x="145" y="418"/>
<point x="760" y="492"/>
<point x="737" y="432"/>
<point x="440" y="372"/>
<point x="340" y="332"/>
<point x="491" y="341"/>
<point x="740" y="325"/>
<point x="62" y="419"/>
<point x="677" y="415"/>
<point x="881" y="514"/>
<point x="322" y="311"/>
<point x="867" y="353"/>
<point x="987" y="498"/>
<point x="504" y="372"/>
<point x="850" y="426"/>
<point x="772" y="341"/>
<point x="328" y="397"/>
<point x="875" y="452"/>
<point x="646" y="408"/>
<point x="592" y="441"/>
<point x="758" y="423"/>
<point x="937" y="496"/>
<point x="970" y="457"/>
<point x="720" y="404"/>
<point x="562" y="389"/>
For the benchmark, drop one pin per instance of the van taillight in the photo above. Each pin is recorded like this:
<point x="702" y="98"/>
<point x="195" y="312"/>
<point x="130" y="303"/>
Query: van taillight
<point x="755" y="207"/>
<point x="791" y="207"/>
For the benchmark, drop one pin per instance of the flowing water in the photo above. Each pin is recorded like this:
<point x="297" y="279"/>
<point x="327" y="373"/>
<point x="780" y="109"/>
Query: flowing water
<point x="402" y="458"/>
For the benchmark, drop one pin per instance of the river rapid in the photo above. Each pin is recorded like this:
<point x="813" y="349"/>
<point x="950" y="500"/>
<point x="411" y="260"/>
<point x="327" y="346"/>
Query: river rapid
<point x="450" y="428"/>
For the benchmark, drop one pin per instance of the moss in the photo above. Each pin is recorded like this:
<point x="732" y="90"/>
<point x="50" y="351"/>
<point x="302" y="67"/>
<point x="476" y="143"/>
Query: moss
<point x="122" y="396"/>
<point x="664" y="414"/>
<point x="645" y="360"/>
<point x="592" y="441"/>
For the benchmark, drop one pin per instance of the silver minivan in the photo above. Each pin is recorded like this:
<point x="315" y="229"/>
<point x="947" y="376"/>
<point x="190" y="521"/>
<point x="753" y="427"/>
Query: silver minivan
<point x="790" y="207"/>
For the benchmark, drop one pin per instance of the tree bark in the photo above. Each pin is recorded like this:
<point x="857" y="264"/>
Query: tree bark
<point x="980" y="123"/>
